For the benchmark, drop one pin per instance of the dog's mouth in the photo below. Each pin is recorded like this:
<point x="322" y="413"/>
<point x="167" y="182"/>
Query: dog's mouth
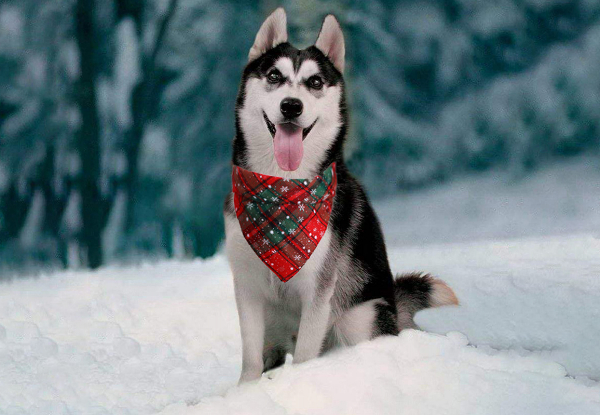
<point x="288" y="142"/>
<point x="270" y="125"/>
<point x="273" y="130"/>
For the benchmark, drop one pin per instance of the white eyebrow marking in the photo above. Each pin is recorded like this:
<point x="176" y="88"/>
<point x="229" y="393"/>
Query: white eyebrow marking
<point x="286" y="67"/>
<point x="307" y="69"/>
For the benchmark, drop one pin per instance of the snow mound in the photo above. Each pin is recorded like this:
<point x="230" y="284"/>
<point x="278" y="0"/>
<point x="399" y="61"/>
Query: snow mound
<point x="537" y="296"/>
<point x="119" y="341"/>
<point x="417" y="373"/>
<point x="558" y="200"/>
<point x="164" y="339"/>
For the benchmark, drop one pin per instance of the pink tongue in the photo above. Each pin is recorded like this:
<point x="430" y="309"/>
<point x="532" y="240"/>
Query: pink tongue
<point x="288" y="146"/>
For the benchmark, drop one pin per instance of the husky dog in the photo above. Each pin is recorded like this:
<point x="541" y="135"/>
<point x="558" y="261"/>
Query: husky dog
<point x="345" y="293"/>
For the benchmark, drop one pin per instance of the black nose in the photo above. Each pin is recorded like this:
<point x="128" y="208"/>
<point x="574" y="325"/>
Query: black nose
<point x="291" y="107"/>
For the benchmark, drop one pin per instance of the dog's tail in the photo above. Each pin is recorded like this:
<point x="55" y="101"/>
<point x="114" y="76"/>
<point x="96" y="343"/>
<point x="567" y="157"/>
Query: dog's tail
<point x="416" y="291"/>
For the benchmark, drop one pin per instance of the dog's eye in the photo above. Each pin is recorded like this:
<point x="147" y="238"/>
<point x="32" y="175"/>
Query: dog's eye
<point x="274" y="77"/>
<point x="315" y="82"/>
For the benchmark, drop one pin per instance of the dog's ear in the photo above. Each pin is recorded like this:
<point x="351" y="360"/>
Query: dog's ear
<point x="272" y="32"/>
<point x="331" y="42"/>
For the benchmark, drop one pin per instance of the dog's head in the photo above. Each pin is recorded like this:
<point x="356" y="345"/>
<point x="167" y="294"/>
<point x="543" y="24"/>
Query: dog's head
<point x="290" y="114"/>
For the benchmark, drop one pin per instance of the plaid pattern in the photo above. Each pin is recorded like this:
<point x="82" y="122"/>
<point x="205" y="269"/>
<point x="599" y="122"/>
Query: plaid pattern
<point x="283" y="220"/>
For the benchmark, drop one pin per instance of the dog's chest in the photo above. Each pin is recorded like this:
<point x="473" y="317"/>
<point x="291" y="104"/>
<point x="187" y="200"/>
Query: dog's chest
<point x="247" y="265"/>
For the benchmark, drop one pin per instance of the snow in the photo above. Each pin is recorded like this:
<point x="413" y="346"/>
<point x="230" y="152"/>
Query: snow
<point x="164" y="338"/>
<point x="548" y="104"/>
<point x="154" y="152"/>
<point x="534" y="296"/>
<point x="126" y="340"/>
<point x="11" y="29"/>
<point x="417" y="373"/>
<point x="559" y="200"/>
<point x="493" y="20"/>
<point x="31" y="230"/>
<point x="127" y="70"/>
<point x="114" y="225"/>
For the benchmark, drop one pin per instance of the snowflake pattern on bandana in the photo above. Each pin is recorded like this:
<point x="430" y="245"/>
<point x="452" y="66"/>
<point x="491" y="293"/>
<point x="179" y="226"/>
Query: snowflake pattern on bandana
<point x="283" y="220"/>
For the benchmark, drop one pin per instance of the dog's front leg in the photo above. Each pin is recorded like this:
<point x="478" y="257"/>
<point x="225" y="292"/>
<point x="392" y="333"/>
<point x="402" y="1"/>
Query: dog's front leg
<point x="314" y="324"/>
<point x="251" y="311"/>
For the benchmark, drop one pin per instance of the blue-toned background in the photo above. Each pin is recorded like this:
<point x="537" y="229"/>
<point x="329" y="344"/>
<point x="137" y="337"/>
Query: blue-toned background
<point x="470" y="119"/>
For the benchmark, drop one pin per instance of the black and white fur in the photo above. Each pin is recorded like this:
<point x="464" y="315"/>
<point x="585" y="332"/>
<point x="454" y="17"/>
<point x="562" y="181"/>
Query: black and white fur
<point x="345" y="293"/>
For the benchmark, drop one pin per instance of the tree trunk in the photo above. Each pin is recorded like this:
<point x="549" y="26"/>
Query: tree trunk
<point x="88" y="139"/>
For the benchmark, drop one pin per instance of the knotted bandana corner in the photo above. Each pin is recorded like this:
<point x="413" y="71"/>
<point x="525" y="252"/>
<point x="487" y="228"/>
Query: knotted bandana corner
<point x="283" y="220"/>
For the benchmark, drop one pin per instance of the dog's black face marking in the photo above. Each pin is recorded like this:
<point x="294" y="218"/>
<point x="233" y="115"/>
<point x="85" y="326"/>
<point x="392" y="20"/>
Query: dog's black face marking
<point x="263" y="67"/>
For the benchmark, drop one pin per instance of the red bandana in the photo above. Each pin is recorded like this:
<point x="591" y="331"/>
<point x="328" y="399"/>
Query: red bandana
<point x="283" y="220"/>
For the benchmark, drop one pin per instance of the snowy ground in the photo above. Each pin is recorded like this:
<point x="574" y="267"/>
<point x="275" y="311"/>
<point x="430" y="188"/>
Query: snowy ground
<point x="164" y="338"/>
<point x="558" y="200"/>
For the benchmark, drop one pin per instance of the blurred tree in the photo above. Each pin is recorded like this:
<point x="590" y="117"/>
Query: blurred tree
<point x="208" y="48"/>
<point x="93" y="206"/>
<point x="116" y="116"/>
<point x="146" y="93"/>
